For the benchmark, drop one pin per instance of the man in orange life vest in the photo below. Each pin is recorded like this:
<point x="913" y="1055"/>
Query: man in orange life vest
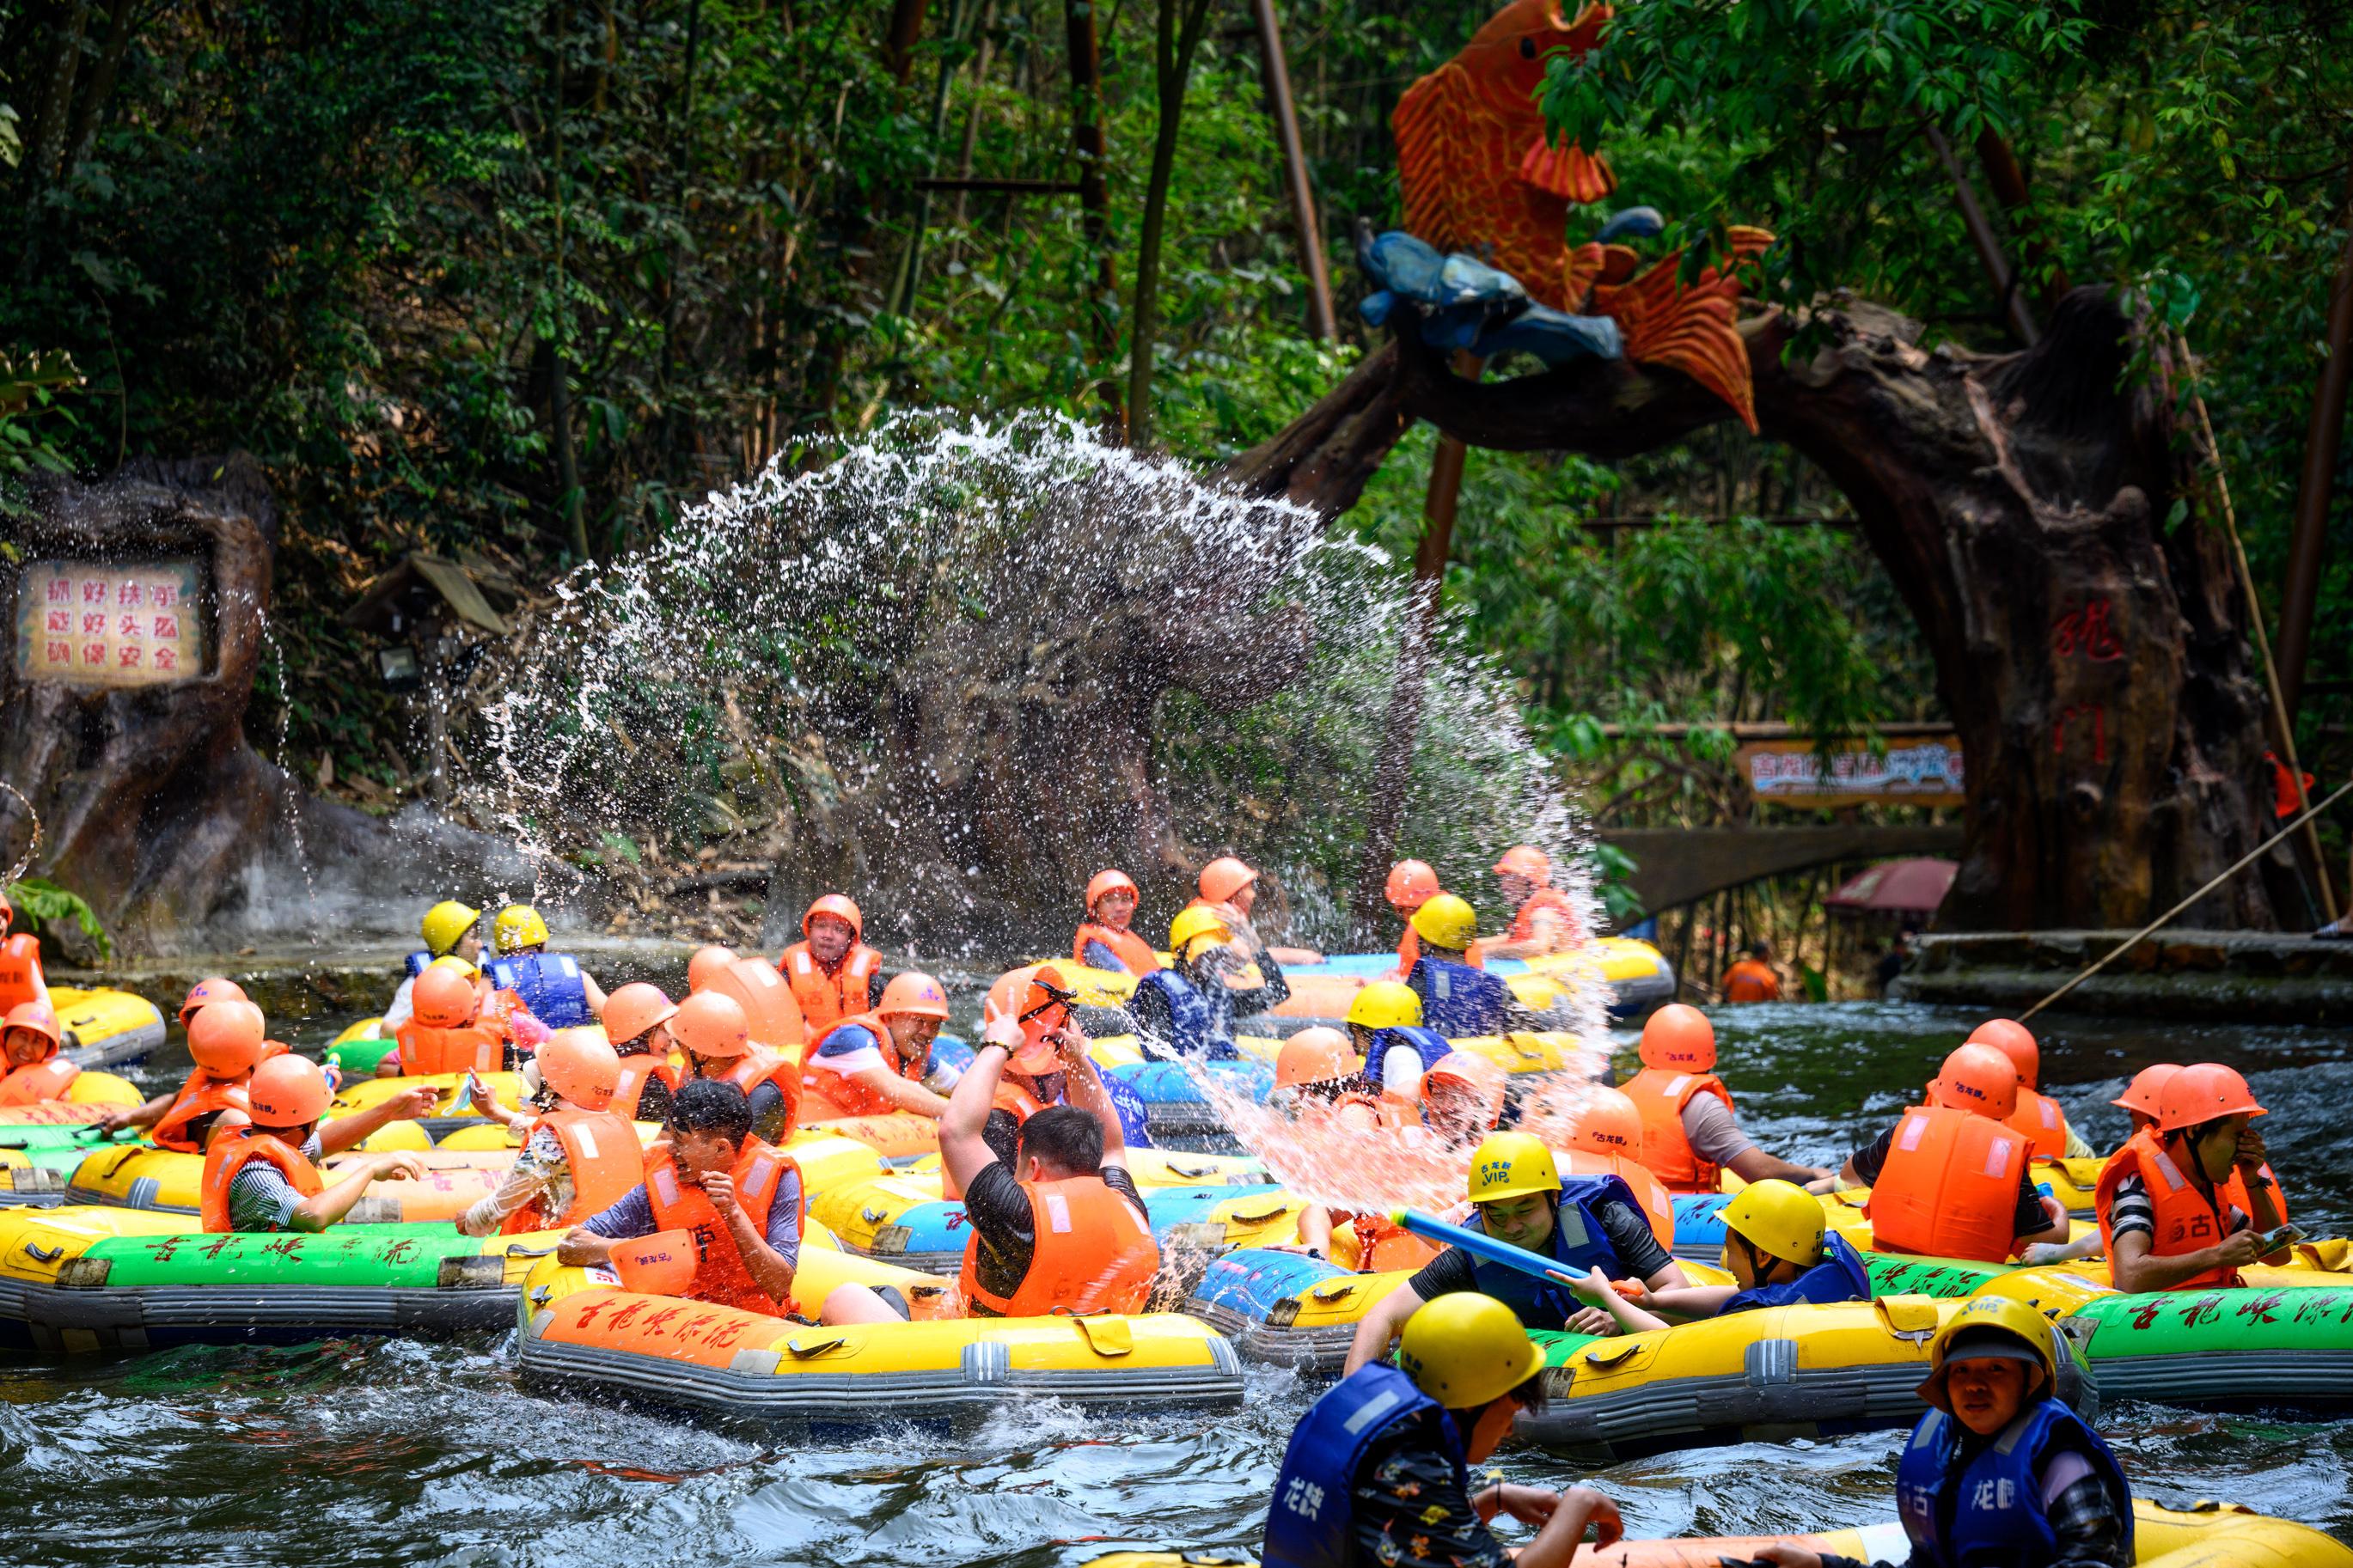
<point x="832" y="972"/>
<point x="1063" y="1228"/>
<point x="1951" y="1179"/>
<point x="1690" y="1134"/>
<point x="579" y="1156"/>
<point x="874" y="1063"/>
<point x="716" y="1033"/>
<point x="1542" y="920"/>
<point x="264" y="1175"/>
<point x="2183" y="1202"/>
<point x="1104" y="939"/>
<point x="226" y="1040"/>
<point x="1752" y="979"/>
<point x="20" y="965"/>
<point x="2039" y="1117"/>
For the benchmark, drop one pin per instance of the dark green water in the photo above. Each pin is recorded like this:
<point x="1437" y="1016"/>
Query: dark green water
<point x="394" y="1452"/>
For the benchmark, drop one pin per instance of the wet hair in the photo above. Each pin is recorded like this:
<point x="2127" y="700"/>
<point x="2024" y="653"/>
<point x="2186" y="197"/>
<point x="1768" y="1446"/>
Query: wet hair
<point x="1065" y="1137"/>
<point x="711" y="1105"/>
<point x="1002" y="1133"/>
<point x="1530" y="1395"/>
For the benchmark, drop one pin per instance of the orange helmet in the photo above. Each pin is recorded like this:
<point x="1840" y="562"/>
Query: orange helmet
<point x="213" y="990"/>
<point x="2014" y="1040"/>
<point x="1679" y="1038"/>
<point x="226" y="1037"/>
<point x="1526" y="860"/>
<point x="1609" y="1125"/>
<point x="915" y="994"/>
<point x="287" y="1091"/>
<point x="581" y="1066"/>
<point x="712" y="1024"/>
<point x="442" y="999"/>
<point x="39" y="1019"/>
<point x="2201" y="1093"/>
<point x="2147" y="1088"/>
<point x="1472" y="1072"/>
<point x="1978" y="1079"/>
<point x="704" y="965"/>
<point x="1411" y="884"/>
<point x="1224" y="877"/>
<point x="842" y="908"/>
<point x="636" y="1008"/>
<point x="1314" y="1055"/>
<point x="1103" y="882"/>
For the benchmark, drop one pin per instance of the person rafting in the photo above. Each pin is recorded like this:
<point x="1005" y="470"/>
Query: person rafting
<point x="31" y="1041"/>
<point x="716" y="1033"/>
<point x="1104" y="939"/>
<point x="1951" y="1179"/>
<point x="1229" y="888"/>
<point x="1411" y="884"/>
<point x="1376" y="1474"/>
<point x="1775" y="1245"/>
<point x="227" y="1041"/>
<point x="2184" y="1202"/>
<point x="455" y="1029"/>
<point x="1062" y="1229"/>
<point x="1458" y="1000"/>
<point x="637" y="1021"/>
<point x="875" y="1063"/>
<point x="559" y="992"/>
<point x="1544" y="921"/>
<point x="1753" y="978"/>
<point x="1187" y="1009"/>
<point x="1031" y="1025"/>
<point x="21" y="980"/>
<point x="1518" y="1197"/>
<point x="450" y="929"/>
<point x="2000" y="1471"/>
<point x="833" y="973"/>
<point x="2049" y="1135"/>
<point x="1383" y="1023"/>
<point x="579" y="1156"/>
<point x="261" y="1170"/>
<point x="1691" y="1131"/>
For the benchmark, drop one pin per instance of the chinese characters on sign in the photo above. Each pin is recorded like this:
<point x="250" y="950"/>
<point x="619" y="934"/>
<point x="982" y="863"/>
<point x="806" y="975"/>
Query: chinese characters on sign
<point x="110" y="623"/>
<point x="1915" y="773"/>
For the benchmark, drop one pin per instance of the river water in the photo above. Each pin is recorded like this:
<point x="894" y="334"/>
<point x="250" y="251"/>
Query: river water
<point x="381" y="1452"/>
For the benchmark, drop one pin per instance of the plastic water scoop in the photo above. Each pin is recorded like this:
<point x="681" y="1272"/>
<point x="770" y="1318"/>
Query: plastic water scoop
<point x="1481" y="1244"/>
<point x="662" y="1264"/>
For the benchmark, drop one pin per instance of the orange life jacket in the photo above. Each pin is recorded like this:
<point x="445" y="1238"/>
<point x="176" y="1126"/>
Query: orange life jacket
<point x="1012" y="1097"/>
<point x="1660" y="1097"/>
<point x="1949" y="1188"/>
<point x="230" y="1155"/>
<point x="1132" y="949"/>
<point x="766" y="1066"/>
<point x="2245" y="1199"/>
<point x="2186" y="1218"/>
<point x="20" y="971"/>
<point x="201" y="1095"/>
<point x="2038" y="1116"/>
<point x="769" y="1004"/>
<point x="601" y="1148"/>
<point x="1523" y="924"/>
<point x="429" y="1048"/>
<point x="636" y="1071"/>
<point x="1658" y="1204"/>
<point x="43" y="1080"/>
<point x="827" y="999"/>
<point x="1094" y="1253"/>
<point x="678" y="1205"/>
<point x="835" y="1094"/>
<point x="1749" y="980"/>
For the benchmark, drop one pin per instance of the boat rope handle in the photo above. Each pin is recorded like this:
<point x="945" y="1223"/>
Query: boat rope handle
<point x="40" y="1254"/>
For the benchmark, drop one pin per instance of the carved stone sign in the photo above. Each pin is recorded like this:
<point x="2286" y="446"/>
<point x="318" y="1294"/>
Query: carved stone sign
<point x="104" y="623"/>
<point x="1924" y="772"/>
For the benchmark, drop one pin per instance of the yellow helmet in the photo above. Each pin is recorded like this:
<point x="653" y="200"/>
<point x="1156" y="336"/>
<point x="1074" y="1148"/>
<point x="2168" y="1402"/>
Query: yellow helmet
<point x="1509" y="1165"/>
<point x="1385" y="1004"/>
<point x="1464" y="1350"/>
<point x="518" y="927"/>
<point x="445" y="924"/>
<point x="1445" y="920"/>
<point x="1193" y="923"/>
<point x="1778" y="1217"/>
<point x="1991" y="1326"/>
<point x="452" y="961"/>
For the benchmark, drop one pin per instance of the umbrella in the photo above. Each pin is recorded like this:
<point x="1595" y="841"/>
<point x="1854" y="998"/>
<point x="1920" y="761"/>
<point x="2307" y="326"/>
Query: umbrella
<point x="1897" y="887"/>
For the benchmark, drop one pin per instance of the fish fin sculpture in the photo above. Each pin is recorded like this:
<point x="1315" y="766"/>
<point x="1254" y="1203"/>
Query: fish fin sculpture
<point x="1693" y="330"/>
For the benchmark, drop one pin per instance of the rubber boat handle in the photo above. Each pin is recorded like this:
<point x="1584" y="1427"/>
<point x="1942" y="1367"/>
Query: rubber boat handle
<point x="1480" y="1245"/>
<point x="40" y="1254"/>
<point x="530" y="1251"/>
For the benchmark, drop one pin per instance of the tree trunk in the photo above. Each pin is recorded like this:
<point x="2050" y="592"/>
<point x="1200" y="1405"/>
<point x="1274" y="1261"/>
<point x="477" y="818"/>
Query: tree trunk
<point x="1181" y="25"/>
<point x="2092" y="656"/>
<point x="92" y="108"/>
<point x="1087" y="146"/>
<point x="44" y="147"/>
<point x="1320" y="323"/>
<point x="2317" y="485"/>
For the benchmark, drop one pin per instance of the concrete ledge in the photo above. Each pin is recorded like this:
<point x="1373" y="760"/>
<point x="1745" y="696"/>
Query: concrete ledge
<point x="2235" y="976"/>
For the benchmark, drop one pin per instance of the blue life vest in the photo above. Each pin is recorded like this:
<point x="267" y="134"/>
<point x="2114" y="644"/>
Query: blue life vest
<point x="1839" y="1277"/>
<point x="1193" y="1028"/>
<point x="1578" y="1243"/>
<point x="1098" y="956"/>
<point x="1310" y="1518"/>
<point x="1997" y="1520"/>
<point x="1135" y="1116"/>
<point x="549" y="984"/>
<point x="418" y="961"/>
<point x="1428" y="1044"/>
<point x="1458" y="1000"/>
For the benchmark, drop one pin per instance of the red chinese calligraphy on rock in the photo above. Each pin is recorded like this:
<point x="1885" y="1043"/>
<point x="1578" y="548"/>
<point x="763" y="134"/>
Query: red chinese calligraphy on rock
<point x="2087" y="633"/>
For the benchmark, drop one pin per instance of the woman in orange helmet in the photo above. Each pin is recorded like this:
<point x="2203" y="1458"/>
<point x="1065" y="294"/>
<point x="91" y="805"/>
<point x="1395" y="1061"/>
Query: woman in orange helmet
<point x="31" y="1069"/>
<point x="2184" y="1202"/>
<point x="832" y="972"/>
<point x="1543" y="919"/>
<point x="579" y="1156"/>
<point x="1104" y="939"/>
<point x="1228" y="889"/>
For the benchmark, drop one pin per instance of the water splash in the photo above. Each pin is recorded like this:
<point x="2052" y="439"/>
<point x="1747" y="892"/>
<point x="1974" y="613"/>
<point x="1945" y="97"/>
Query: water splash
<point x="32" y="845"/>
<point x="291" y="796"/>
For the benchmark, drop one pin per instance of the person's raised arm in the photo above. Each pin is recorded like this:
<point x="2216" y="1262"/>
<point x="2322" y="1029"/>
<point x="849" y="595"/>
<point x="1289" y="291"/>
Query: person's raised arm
<point x="1753" y="1165"/>
<point x="963" y="1152"/>
<point x="345" y="1131"/>
<point x="317" y="1212"/>
<point x="594" y="993"/>
<point x="770" y="1268"/>
<point x="1085" y="1089"/>
<point x="1380" y="1326"/>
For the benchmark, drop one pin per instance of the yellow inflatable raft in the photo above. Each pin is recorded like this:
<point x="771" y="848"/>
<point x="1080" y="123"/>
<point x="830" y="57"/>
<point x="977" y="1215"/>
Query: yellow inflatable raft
<point x="85" y="1097"/>
<point x="103" y="1027"/>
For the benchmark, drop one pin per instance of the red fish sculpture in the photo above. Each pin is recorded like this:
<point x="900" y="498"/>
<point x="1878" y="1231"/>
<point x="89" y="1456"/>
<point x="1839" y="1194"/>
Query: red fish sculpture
<point x="1480" y="173"/>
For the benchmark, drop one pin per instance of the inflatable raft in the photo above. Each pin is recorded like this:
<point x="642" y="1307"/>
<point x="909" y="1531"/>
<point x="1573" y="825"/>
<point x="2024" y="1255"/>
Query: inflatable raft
<point x="88" y="1094"/>
<point x="139" y="1176"/>
<point x="105" y="1027"/>
<point x="360" y="1049"/>
<point x="2210" y="1535"/>
<point x="578" y="1328"/>
<point x="78" y="1280"/>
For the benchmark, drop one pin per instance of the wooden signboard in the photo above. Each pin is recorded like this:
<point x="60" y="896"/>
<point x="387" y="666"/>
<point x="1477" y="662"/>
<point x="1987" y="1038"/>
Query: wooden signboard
<point x="108" y="622"/>
<point x="1912" y="771"/>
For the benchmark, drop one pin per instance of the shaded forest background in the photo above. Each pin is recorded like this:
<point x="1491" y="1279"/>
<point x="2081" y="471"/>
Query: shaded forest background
<point x="524" y="279"/>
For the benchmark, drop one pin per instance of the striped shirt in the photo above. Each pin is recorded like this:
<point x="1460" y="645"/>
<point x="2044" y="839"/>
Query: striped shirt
<point x="260" y="1196"/>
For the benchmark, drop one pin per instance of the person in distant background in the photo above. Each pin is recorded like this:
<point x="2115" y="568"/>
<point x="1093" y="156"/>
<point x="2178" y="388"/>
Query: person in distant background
<point x="1753" y="978"/>
<point x="1892" y="961"/>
